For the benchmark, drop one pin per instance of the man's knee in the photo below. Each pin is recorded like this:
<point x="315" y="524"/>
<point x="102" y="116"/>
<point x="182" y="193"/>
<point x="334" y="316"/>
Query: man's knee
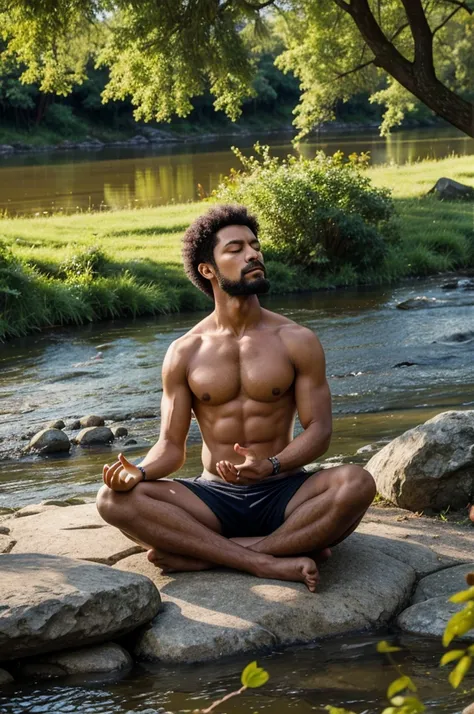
<point x="356" y="485"/>
<point x="114" y="507"/>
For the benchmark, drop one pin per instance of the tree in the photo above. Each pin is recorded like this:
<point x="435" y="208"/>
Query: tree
<point x="163" y="53"/>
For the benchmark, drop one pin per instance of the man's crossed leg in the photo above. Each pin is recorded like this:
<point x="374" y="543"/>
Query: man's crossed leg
<point x="183" y="533"/>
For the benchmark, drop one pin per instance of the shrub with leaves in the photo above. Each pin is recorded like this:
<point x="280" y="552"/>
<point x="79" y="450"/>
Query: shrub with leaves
<point x="320" y="213"/>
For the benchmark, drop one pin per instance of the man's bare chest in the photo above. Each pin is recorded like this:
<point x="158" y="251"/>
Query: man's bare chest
<point x="222" y="371"/>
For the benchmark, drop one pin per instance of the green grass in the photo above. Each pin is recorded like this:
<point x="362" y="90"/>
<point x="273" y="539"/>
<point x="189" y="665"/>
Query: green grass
<point x="141" y="272"/>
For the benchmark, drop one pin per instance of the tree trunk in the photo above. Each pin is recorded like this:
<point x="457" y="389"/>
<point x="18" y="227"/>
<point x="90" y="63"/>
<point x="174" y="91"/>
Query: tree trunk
<point x="418" y="77"/>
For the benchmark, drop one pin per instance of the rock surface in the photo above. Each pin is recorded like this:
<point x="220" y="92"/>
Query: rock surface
<point x="50" y="441"/>
<point x="75" y="532"/>
<point x="430" y="466"/>
<point x="94" y="435"/>
<point x="447" y="189"/>
<point x="443" y="583"/>
<point x="430" y="618"/>
<point x="6" y="543"/>
<point x="108" y="657"/>
<point x="5" y="677"/>
<point x="91" y="420"/>
<point x="56" y="424"/>
<point x="215" y="613"/>
<point x="431" y="609"/>
<point x="51" y="603"/>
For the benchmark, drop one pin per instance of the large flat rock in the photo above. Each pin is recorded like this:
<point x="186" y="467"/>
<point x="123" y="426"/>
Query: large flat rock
<point x="74" y="532"/>
<point x="214" y="613"/>
<point x="50" y="603"/>
<point x="424" y="543"/>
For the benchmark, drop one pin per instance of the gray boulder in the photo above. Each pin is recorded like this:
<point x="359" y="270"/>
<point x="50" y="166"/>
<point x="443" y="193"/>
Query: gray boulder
<point x="49" y="441"/>
<point x="216" y="613"/>
<point x="119" y="431"/>
<point x="443" y="583"/>
<point x="447" y="189"/>
<point x="56" y="424"/>
<point x="94" y="435"/>
<point x="5" y="677"/>
<point x="108" y="657"/>
<point x="91" y="420"/>
<point x="430" y="618"/>
<point x="51" y="603"/>
<point x="430" y="466"/>
<point x="419" y="303"/>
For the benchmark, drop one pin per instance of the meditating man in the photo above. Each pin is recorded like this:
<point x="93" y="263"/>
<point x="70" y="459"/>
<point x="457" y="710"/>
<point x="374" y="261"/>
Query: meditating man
<point x="244" y="372"/>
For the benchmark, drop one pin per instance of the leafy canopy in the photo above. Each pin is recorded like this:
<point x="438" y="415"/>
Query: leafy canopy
<point x="162" y="54"/>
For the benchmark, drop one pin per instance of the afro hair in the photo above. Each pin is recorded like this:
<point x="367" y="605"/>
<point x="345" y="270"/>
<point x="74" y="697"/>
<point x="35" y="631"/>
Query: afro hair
<point x="200" y="239"/>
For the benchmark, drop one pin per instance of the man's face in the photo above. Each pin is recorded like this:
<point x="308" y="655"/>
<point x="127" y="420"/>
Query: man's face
<point x="239" y="263"/>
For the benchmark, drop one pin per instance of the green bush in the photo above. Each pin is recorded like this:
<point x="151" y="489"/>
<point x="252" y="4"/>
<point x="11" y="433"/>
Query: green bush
<point x="320" y="213"/>
<point x="90" y="262"/>
<point x="60" y="118"/>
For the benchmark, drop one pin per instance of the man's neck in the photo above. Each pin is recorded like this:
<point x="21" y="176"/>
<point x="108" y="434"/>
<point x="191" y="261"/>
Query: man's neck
<point x="237" y="314"/>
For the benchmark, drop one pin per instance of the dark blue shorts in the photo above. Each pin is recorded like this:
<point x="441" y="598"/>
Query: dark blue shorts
<point x="254" y="510"/>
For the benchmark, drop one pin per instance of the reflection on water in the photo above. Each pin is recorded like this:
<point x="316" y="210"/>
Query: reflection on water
<point x="117" y="177"/>
<point x="341" y="672"/>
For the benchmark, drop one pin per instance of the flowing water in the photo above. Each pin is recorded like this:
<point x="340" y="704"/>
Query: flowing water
<point x="340" y="672"/>
<point x="122" y="177"/>
<point x="388" y="370"/>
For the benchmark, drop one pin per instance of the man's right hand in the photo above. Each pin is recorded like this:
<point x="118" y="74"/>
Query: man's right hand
<point x="122" y="475"/>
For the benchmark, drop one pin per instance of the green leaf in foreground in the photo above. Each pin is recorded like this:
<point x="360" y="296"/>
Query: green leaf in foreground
<point x="399" y="685"/>
<point x="254" y="676"/>
<point x="384" y="647"/>
<point x="451" y="656"/>
<point x="459" y="624"/>
<point x="459" y="672"/>
<point x="337" y="710"/>
<point x="406" y="705"/>
<point x="463" y="596"/>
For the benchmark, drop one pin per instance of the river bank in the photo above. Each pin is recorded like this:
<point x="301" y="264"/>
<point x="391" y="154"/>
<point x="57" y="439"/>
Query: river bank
<point x="14" y="141"/>
<point x="87" y="267"/>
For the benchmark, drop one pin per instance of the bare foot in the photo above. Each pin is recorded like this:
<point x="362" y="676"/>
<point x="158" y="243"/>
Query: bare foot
<point x="172" y="563"/>
<point x="301" y="570"/>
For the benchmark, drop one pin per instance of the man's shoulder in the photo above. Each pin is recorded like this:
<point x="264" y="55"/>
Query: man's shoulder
<point x="289" y="329"/>
<point x="183" y="347"/>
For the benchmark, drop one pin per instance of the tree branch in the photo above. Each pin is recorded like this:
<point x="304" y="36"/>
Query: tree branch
<point x="445" y="21"/>
<point x="354" y="69"/>
<point x="422" y="36"/>
<point x="461" y="5"/>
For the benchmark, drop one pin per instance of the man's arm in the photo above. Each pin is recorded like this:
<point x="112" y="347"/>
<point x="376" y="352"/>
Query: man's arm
<point x="169" y="452"/>
<point x="313" y="400"/>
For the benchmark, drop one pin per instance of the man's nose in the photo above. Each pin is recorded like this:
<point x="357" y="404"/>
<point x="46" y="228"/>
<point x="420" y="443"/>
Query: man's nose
<point x="252" y="254"/>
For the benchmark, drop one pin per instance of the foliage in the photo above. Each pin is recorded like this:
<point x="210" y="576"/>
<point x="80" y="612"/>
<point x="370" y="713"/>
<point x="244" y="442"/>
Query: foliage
<point x="252" y="677"/>
<point x="320" y="213"/>
<point x="163" y="55"/>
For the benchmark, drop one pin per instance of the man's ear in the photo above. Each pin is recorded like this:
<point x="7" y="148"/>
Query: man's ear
<point x="206" y="271"/>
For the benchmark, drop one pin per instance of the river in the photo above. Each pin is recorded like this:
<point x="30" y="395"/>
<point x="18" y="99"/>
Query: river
<point x="123" y="177"/>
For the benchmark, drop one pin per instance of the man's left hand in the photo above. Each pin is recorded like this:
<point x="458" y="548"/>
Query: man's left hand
<point x="251" y="470"/>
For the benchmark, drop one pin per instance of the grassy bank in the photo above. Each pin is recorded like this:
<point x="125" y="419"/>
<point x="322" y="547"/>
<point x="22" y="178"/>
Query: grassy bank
<point x="126" y="263"/>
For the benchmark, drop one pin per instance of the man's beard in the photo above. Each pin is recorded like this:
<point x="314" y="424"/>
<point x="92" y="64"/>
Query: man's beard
<point x="238" y="288"/>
